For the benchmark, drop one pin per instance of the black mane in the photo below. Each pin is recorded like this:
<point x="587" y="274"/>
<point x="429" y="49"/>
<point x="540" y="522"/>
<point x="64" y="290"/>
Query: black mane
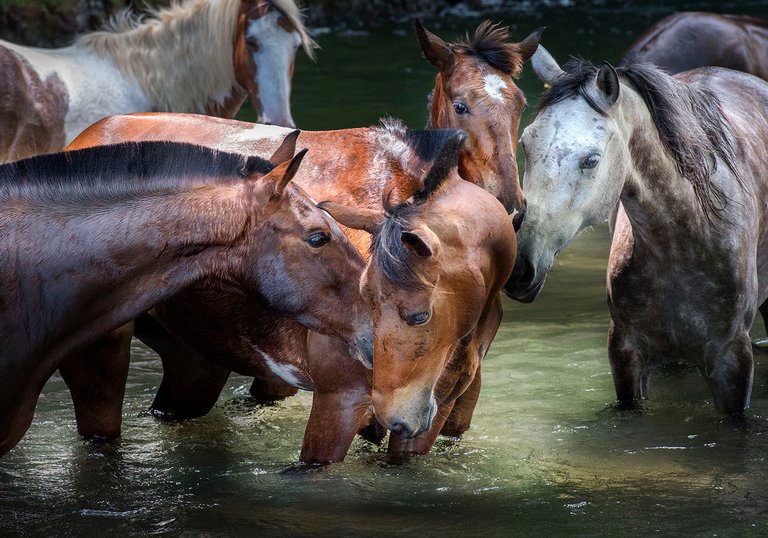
<point x="121" y="171"/>
<point x="689" y="121"/>
<point x="490" y="43"/>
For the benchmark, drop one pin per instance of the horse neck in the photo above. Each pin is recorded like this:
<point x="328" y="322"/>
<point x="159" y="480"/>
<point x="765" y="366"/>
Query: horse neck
<point x="183" y="61"/>
<point x="659" y="202"/>
<point x="147" y="250"/>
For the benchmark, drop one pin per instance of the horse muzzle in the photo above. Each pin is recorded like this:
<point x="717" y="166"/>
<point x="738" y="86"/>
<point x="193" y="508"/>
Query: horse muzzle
<point x="524" y="285"/>
<point x="410" y="420"/>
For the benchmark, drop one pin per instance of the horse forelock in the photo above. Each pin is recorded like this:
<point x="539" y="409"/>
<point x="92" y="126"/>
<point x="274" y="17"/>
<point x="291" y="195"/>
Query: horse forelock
<point x="490" y="43"/>
<point x="392" y="257"/>
<point x="294" y="12"/>
<point x="120" y="172"/>
<point x="689" y="121"/>
<point x="181" y="55"/>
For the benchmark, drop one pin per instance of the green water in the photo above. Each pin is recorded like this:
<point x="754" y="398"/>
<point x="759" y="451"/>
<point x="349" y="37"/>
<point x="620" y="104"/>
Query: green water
<point x="546" y="454"/>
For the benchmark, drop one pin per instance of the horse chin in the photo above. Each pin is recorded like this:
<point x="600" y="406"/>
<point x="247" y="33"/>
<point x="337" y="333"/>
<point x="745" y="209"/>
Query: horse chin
<point x="526" y="294"/>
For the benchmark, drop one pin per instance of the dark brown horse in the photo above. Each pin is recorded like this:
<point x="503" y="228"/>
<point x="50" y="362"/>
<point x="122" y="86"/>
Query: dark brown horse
<point x="200" y="56"/>
<point x="692" y="39"/>
<point x="91" y="239"/>
<point x="350" y="167"/>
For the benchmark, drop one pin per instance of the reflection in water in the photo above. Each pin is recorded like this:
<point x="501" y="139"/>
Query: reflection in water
<point x="547" y="453"/>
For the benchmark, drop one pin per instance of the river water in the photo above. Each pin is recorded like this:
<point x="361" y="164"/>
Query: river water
<point x="547" y="453"/>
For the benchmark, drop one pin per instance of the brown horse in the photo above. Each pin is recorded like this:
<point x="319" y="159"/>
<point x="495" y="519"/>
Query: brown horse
<point x="92" y="239"/>
<point x="202" y="56"/>
<point x="691" y="39"/>
<point x="350" y="167"/>
<point x="437" y="264"/>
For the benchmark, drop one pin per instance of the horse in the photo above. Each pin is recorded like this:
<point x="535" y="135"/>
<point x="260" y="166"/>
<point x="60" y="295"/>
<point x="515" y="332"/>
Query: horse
<point x="350" y="167"/>
<point x="201" y="56"/>
<point x="438" y="261"/>
<point x="91" y="239"/>
<point x="677" y="165"/>
<point x="692" y="39"/>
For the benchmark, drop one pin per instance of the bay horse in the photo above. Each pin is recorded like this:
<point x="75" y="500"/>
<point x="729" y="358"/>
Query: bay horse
<point x="350" y="167"/>
<point x="200" y="56"/>
<point x="91" y="239"/>
<point x="692" y="39"/>
<point x="678" y="165"/>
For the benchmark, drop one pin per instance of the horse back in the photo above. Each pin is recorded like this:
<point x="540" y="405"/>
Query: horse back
<point x="32" y="110"/>
<point x="689" y="40"/>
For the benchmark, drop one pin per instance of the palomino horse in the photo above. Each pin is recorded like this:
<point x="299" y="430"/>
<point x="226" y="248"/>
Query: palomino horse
<point x="685" y="157"/>
<point x="351" y="167"/>
<point x="688" y="40"/>
<point x="92" y="239"/>
<point x="201" y="56"/>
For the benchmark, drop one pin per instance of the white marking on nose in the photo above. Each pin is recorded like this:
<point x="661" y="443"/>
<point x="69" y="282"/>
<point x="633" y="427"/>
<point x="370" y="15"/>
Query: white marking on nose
<point x="494" y="85"/>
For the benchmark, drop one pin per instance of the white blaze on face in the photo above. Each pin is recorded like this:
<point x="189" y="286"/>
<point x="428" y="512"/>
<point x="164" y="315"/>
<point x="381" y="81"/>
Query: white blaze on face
<point x="493" y="86"/>
<point x="273" y="59"/>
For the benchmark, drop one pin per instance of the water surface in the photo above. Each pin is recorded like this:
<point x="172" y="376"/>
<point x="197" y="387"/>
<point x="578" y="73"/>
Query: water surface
<point x="546" y="455"/>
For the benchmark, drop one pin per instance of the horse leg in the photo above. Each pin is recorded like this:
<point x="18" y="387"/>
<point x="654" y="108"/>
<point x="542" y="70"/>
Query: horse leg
<point x="191" y="384"/>
<point x="631" y="379"/>
<point x="729" y="372"/>
<point x="461" y="415"/>
<point x="96" y="378"/>
<point x="341" y="402"/>
<point x="764" y="313"/>
<point x="16" y="412"/>
<point x="268" y="392"/>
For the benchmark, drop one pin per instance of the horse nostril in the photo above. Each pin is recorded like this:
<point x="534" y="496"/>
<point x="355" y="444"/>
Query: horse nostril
<point x="517" y="220"/>
<point x="400" y="427"/>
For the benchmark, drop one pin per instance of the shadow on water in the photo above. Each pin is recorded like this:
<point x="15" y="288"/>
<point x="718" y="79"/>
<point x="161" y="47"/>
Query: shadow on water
<point x="548" y="453"/>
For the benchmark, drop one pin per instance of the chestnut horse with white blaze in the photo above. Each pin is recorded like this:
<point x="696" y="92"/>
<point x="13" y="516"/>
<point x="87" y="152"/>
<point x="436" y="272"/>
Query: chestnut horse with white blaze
<point x="199" y="56"/>
<point x="678" y="164"/>
<point x="92" y="239"/>
<point x="350" y="167"/>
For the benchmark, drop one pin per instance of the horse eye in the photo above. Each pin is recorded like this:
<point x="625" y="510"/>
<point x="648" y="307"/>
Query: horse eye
<point x="318" y="239"/>
<point x="419" y="318"/>
<point x="460" y="108"/>
<point x="590" y="162"/>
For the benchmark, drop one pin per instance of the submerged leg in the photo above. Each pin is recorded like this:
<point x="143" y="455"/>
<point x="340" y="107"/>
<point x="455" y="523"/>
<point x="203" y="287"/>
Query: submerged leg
<point x="729" y="372"/>
<point x="96" y="377"/>
<point x="630" y="377"/>
<point x="191" y="384"/>
<point x="341" y="402"/>
<point x="267" y="392"/>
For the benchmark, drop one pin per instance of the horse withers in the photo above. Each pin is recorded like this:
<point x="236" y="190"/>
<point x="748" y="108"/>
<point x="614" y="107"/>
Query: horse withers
<point x="201" y="56"/>
<point x="677" y="164"/>
<point x="91" y="239"/>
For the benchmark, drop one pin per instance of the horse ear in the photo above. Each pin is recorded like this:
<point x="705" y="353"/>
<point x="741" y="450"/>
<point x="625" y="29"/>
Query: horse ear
<point x="608" y="82"/>
<point x="545" y="66"/>
<point x="422" y="241"/>
<point x="528" y="45"/>
<point x="436" y="51"/>
<point x="287" y="148"/>
<point x="357" y="218"/>
<point x="284" y="173"/>
<point x="446" y="160"/>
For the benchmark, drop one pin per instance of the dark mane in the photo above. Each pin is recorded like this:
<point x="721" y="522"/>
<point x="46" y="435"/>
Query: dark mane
<point x="490" y="43"/>
<point x="120" y="172"/>
<point x="430" y="156"/>
<point x="689" y="121"/>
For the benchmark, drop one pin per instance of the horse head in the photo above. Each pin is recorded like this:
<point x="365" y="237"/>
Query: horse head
<point x="299" y="262"/>
<point x="426" y="286"/>
<point x="475" y="91"/>
<point x="575" y="163"/>
<point x="268" y="35"/>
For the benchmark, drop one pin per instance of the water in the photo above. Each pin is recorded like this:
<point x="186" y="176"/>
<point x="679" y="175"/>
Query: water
<point x="546" y="454"/>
